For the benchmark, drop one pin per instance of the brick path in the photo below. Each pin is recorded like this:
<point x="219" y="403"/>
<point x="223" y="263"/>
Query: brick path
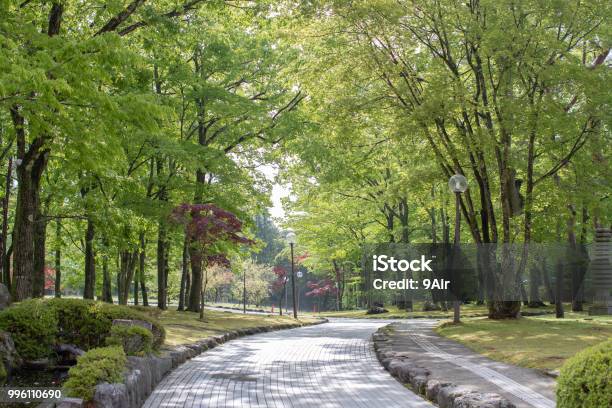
<point x="328" y="365"/>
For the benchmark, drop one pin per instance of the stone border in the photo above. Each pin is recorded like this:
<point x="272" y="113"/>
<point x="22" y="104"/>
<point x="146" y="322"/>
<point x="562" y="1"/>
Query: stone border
<point x="444" y="393"/>
<point x="144" y="373"/>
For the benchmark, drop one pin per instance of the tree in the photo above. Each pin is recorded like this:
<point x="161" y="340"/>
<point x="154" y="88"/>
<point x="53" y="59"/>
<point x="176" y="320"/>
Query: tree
<point x="490" y="90"/>
<point x="209" y="231"/>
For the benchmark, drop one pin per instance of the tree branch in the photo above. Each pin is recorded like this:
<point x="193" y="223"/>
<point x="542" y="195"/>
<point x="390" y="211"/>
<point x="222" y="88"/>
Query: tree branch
<point x="184" y="9"/>
<point x="116" y="21"/>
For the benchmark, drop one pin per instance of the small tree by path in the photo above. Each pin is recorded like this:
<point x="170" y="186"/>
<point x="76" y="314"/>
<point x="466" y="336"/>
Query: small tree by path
<point x="210" y="232"/>
<point x="321" y="290"/>
<point x="279" y="285"/>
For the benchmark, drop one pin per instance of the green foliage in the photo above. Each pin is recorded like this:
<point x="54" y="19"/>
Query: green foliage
<point x="36" y="325"/>
<point x="33" y="327"/>
<point x="105" y="364"/>
<point x="135" y="340"/>
<point x="584" y="381"/>
<point x="87" y="323"/>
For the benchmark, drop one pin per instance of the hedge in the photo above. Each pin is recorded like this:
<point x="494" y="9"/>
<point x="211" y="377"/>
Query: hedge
<point x="37" y="325"/>
<point x="87" y="323"/>
<point x="584" y="380"/>
<point x="33" y="327"/>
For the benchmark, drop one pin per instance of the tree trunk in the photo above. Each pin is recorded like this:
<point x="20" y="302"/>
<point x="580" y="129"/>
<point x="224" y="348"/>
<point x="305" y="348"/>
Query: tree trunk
<point x="546" y="279"/>
<point x="58" y="258"/>
<point x="184" y="273"/>
<point x="126" y="274"/>
<point x="7" y="258"/>
<point x="187" y="287"/>
<point x="575" y="258"/>
<point x="40" y="234"/>
<point x="195" y="256"/>
<point x="29" y="174"/>
<point x="581" y="266"/>
<point x="5" y="274"/>
<point x="107" y="294"/>
<point x="534" y="287"/>
<point x="135" y="286"/>
<point x="141" y="270"/>
<point x="90" y="261"/>
<point x="161" y="266"/>
<point x="559" y="291"/>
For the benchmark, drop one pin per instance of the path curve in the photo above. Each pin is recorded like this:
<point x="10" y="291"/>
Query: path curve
<point x="327" y="365"/>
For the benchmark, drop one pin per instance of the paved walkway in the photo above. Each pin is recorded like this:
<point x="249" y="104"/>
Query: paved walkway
<point x="451" y="362"/>
<point x="328" y="365"/>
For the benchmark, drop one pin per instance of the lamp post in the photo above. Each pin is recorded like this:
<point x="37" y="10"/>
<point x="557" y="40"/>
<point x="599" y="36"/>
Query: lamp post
<point x="298" y="275"/>
<point x="244" y="292"/>
<point x="291" y="241"/>
<point x="458" y="184"/>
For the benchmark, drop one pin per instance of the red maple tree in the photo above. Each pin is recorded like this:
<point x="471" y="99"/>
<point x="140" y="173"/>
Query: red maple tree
<point x="207" y="228"/>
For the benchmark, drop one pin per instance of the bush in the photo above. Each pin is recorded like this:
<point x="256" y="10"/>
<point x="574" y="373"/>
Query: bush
<point x="585" y="379"/>
<point x="135" y="340"/>
<point x="105" y="364"/>
<point x="86" y="323"/>
<point x="33" y="327"/>
<point x="37" y="325"/>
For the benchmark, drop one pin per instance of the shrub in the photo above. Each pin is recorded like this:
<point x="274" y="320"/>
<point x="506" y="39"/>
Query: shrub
<point x="135" y="340"/>
<point x="37" y="325"/>
<point x="33" y="327"/>
<point x="87" y="323"/>
<point x="105" y="364"/>
<point x="585" y="379"/>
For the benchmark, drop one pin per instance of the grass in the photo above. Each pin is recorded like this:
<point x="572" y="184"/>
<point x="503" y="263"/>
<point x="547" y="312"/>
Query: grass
<point x="186" y="327"/>
<point x="541" y="342"/>
<point x="469" y="310"/>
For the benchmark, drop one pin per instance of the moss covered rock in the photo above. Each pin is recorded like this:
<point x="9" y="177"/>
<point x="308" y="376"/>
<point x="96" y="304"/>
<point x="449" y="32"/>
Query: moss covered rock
<point x="135" y="340"/>
<point x="98" y="365"/>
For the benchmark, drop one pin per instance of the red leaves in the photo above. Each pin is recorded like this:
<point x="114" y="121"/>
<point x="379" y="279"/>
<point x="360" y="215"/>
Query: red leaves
<point x="281" y="278"/>
<point x="219" y="259"/>
<point x="207" y="224"/>
<point x="321" y="288"/>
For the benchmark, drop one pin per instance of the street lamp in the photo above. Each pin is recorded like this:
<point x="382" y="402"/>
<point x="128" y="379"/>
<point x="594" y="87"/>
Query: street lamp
<point x="291" y="241"/>
<point x="458" y="184"/>
<point x="299" y="274"/>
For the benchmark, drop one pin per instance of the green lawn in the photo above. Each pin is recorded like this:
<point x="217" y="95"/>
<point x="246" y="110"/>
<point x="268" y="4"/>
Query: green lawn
<point x="541" y="342"/>
<point x="186" y="327"/>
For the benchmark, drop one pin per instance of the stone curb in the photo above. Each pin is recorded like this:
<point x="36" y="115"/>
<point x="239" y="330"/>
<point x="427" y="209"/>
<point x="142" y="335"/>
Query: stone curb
<point x="444" y="393"/>
<point x="144" y="373"/>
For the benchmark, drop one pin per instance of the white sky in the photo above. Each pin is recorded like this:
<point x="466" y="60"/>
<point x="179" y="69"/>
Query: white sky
<point x="279" y="191"/>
